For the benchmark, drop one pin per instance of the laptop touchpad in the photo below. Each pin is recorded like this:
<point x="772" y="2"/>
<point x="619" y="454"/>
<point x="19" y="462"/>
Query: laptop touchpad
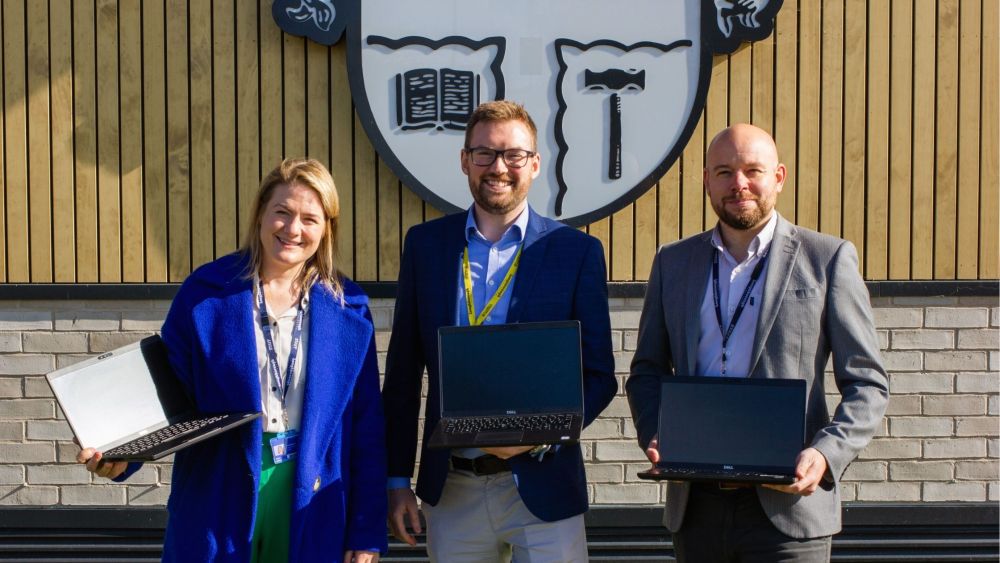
<point x="484" y="438"/>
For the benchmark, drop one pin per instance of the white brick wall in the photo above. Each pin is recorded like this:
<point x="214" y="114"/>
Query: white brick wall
<point x="939" y="443"/>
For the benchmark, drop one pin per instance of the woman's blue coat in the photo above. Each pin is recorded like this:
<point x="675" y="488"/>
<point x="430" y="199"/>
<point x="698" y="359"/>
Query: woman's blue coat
<point x="339" y="495"/>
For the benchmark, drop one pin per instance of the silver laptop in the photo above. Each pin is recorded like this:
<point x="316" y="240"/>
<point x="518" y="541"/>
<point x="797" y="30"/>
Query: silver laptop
<point x="129" y="405"/>
<point x="729" y="429"/>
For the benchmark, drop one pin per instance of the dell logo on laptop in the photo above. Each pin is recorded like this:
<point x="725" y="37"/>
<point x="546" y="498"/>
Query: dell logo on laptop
<point x="727" y="467"/>
<point x="511" y="412"/>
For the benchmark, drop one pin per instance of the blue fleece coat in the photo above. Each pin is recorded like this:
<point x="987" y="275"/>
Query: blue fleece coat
<point x="338" y="496"/>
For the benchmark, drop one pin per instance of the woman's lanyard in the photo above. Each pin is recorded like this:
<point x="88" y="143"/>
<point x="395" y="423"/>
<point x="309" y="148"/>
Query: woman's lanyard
<point x="726" y="333"/>
<point x="273" y="369"/>
<point x="470" y="306"/>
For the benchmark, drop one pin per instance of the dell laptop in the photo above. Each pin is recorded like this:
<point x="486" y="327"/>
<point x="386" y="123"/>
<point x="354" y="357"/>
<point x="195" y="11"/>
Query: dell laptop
<point x="729" y="429"/>
<point x="509" y="385"/>
<point x="129" y="405"/>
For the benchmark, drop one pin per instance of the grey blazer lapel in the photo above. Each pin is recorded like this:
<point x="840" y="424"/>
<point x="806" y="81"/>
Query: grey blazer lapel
<point x="699" y="268"/>
<point x="782" y="255"/>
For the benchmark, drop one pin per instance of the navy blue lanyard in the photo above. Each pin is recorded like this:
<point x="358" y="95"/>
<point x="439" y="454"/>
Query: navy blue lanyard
<point x="272" y="354"/>
<point x="726" y="333"/>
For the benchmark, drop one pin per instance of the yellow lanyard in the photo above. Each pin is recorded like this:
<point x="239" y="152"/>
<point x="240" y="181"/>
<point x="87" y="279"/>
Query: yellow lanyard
<point x="467" y="275"/>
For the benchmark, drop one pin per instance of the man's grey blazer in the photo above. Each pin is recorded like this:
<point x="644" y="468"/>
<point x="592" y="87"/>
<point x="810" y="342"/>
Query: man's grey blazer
<point x="814" y="303"/>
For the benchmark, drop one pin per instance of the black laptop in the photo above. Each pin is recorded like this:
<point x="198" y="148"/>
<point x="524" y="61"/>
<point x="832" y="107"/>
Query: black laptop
<point x="128" y="404"/>
<point x="730" y="429"/>
<point x="509" y="385"/>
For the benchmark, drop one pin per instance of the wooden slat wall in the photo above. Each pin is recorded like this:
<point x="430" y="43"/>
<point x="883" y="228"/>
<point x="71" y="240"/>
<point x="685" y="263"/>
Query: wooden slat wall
<point x="133" y="135"/>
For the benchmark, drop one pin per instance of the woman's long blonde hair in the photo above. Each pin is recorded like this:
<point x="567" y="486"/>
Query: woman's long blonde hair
<point x="321" y="267"/>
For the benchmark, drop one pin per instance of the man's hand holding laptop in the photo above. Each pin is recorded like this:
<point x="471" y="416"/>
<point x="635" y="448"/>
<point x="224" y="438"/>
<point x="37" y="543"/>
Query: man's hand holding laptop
<point x="810" y="467"/>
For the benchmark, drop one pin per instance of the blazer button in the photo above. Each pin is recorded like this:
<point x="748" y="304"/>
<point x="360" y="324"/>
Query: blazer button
<point x="316" y="484"/>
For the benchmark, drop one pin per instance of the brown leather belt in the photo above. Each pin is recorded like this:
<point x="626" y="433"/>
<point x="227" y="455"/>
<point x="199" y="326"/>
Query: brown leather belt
<point x="482" y="465"/>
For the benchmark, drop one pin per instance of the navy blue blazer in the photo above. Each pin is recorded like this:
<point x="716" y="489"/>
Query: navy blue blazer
<point x="562" y="276"/>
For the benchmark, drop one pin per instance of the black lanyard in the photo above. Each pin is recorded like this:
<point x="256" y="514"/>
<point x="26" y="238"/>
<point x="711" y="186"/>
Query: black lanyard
<point x="272" y="354"/>
<point x="726" y="333"/>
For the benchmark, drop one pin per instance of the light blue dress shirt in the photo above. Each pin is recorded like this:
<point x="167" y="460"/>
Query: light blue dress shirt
<point x="489" y="262"/>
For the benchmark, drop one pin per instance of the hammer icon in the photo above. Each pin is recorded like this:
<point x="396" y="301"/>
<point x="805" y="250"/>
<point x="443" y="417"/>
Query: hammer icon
<point x="615" y="80"/>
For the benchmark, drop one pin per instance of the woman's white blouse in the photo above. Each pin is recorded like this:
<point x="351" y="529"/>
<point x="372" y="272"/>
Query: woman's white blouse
<point x="270" y="393"/>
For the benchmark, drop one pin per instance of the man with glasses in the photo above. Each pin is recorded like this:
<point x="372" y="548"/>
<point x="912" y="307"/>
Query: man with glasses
<point x="499" y="262"/>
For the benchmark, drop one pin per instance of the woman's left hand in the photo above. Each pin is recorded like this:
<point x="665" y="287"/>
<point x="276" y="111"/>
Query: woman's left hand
<point x="352" y="556"/>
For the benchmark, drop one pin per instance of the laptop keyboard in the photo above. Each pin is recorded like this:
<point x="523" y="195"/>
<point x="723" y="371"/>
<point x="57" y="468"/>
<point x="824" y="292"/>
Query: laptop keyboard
<point x="162" y="435"/>
<point x="528" y="423"/>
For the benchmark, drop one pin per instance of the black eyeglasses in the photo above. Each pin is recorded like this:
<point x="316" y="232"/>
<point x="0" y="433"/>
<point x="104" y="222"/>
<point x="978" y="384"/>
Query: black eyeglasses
<point x="513" y="158"/>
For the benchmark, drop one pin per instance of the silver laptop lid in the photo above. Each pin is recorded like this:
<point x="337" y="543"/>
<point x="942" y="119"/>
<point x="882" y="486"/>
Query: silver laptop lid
<point x="119" y="395"/>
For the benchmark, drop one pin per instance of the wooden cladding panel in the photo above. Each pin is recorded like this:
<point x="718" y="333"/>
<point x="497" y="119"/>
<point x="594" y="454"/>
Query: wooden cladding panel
<point x="134" y="135"/>
<point x="969" y="56"/>
<point x="201" y="133"/>
<point x="179" y="247"/>
<point x="246" y="83"/>
<point x="831" y="132"/>
<point x="224" y="163"/>
<point x="989" y="149"/>
<point x="853" y="180"/>
<point x="15" y="142"/>
<point x="785" y="129"/>
<point x="877" y="142"/>
<point x="900" y="153"/>
<point x="61" y="86"/>
<point x="154" y="115"/>
<point x="130" y="49"/>
<point x="922" y="171"/>
<point x="39" y="135"/>
<point x="808" y="120"/>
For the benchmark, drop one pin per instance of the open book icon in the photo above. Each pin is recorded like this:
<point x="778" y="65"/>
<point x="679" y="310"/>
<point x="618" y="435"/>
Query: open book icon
<point x="443" y="99"/>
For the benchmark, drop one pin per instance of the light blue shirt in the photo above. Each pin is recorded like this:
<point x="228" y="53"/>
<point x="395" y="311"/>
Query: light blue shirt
<point x="489" y="262"/>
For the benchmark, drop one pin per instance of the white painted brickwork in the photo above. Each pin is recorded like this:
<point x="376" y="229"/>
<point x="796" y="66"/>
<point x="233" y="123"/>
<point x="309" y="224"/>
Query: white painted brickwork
<point x="940" y="441"/>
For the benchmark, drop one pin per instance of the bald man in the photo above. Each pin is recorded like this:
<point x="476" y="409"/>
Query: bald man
<point x="806" y="302"/>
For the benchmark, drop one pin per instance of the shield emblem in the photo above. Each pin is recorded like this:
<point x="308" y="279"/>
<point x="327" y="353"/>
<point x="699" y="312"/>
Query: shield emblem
<point x="615" y="88"/>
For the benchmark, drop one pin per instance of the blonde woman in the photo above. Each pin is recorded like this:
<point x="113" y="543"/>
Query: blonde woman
<point x="275" y="327"/>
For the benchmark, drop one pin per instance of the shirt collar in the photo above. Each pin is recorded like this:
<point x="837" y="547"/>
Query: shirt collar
<point x="759" y="244"/>
<point x="515" y="232"/>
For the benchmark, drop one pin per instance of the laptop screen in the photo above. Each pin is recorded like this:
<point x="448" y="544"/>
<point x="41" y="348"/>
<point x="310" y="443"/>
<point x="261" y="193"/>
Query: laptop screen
<point x="119" y="395"/>
<point x="721" y="421"/>
<point x="519" y="368"/>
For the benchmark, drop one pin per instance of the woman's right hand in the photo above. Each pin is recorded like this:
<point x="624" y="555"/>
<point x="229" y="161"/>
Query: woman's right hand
<point x="99" y="467"/>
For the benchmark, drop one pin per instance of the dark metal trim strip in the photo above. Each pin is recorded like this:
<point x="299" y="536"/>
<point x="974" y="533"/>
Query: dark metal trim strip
<point x="387" y="290"/>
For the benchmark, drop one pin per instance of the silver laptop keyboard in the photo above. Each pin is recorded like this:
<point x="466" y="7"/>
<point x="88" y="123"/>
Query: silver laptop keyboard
<point x="162" y="435"/>
<point x="530" y="422"/>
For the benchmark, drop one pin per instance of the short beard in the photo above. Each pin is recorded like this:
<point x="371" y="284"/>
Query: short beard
<point x="747" y="220"/>
<point x="496" y="206"/>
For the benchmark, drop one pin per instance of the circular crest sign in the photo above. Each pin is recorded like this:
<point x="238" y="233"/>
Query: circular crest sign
<point x="615" y="87"/>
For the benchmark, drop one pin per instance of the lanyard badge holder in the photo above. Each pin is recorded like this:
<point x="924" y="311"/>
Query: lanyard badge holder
<point x="284" y="446"/>
<point x="475" y="320"/>
<point x="726" y="333"/>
